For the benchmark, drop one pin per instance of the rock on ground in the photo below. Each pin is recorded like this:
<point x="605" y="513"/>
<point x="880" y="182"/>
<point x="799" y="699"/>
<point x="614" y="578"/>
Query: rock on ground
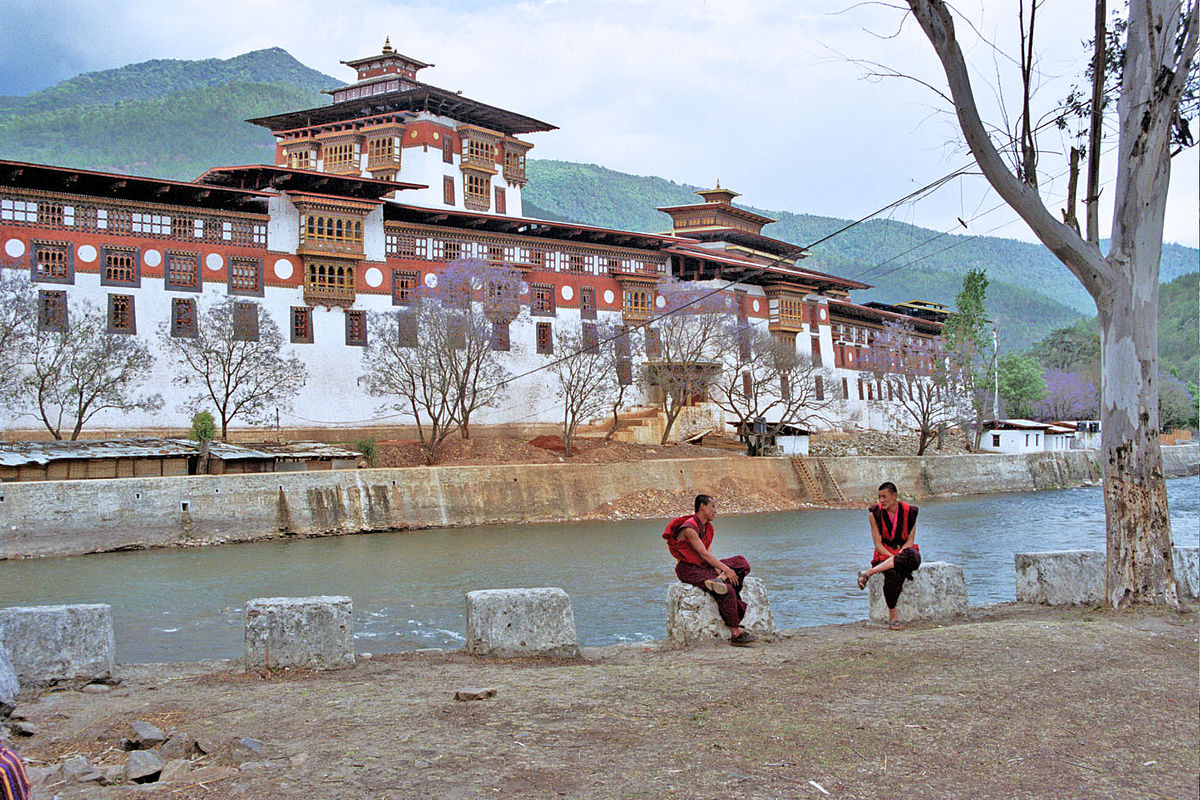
<point x="937" y="591"/>
<point x="511" y="623"/>
<point x="308" y="632"/>
<point x="692" y="614"/>
<point x="47" y="644"/>
<point x="143" y="765"/>
<point x="10" y="687"/>
<point x="1060" y="578"/>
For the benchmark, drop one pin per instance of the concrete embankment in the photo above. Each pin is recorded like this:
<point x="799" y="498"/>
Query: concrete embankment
<point x="73" y="517"/>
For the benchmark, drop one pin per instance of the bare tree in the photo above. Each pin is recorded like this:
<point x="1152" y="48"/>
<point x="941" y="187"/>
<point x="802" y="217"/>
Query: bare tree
<point x="764" y="379"/>
<point x="1160" y="45"/>
<point x="477" y="298"/>
<point x="586" y="376"/>
<point x="623" y="342"/>
<point x="17" y="315"/>
<point x="406" y="362"/>
<point x="684" y="347"/>
<point x="926" y="392"/>
<point x="75" y="368"/>
<point x="235" y="362"/>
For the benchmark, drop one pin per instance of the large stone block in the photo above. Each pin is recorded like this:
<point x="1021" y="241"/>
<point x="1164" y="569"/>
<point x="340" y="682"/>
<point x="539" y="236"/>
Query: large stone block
<point x="692" y="614"/>
<point x="1187" y="571"/>
<point x="10" y="687"/>
<point x="308" y="632"/>
<point x="47" y="644"/>
<point x="937" y="591"/>
<point x="509" y="623"/>
<point x="1060" y="578"/>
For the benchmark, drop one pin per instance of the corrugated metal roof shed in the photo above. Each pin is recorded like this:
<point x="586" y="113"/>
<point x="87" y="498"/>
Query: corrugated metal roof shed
<point x="16" y="454"/>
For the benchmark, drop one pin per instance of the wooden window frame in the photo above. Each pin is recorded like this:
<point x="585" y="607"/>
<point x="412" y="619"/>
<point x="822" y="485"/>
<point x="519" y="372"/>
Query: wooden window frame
<point x="501" y="203"/>
<point x="653" y="343"/>
<point x="356" y="328"/>
<point x="500" y="341"/>
<point x="301" y="325"/>
<point x="477" y="191"/>
<point x="184" y="322"/>
<point x="447" y="190"/>
<point x="52" y="311"/>
<point x="448" y="148"/>
<point x="121" y="315"/>
<point x="404" y="293"/>
<point x="63" y="258"/>
<point x="589" y="334"/>
<point x="113" y="272"/>
<point x="406" y="328"/>
<point x="545" y="339"/>
<point x="169" y="270"/>
<point x="245" y="322"/>
<point x="587" y="302"/>
<point x="541" y="300"/>
<point x="240" y="271"/>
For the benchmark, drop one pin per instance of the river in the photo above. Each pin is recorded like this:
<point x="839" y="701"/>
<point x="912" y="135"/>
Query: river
<point x="408" y="586"/>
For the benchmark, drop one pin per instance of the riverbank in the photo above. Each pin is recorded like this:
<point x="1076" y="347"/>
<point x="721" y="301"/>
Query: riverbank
<point x="1013" y="701"/>
<point x="51" y="518"/>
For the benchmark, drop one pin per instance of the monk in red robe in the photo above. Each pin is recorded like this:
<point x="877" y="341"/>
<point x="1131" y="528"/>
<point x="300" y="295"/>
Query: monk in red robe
<point x="689" y="539"/>
<point x="894" y="528"/>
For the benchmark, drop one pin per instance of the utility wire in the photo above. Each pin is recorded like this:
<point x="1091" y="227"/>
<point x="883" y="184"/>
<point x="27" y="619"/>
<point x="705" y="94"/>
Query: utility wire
<point x="787" y="255"/>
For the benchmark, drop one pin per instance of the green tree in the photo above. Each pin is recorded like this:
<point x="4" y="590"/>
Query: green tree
<point x="968" y="345"/>
<point x="1022" y="385"/>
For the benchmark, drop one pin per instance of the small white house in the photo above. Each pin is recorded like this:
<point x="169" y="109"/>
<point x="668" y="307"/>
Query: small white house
<point x="1060" y="437"/>
<point x="1087" y="432"/>
<point x="1014" y="436"/>
<point x="776" y="438"/>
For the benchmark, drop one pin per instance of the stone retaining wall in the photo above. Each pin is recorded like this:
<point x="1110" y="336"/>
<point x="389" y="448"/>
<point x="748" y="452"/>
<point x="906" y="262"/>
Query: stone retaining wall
<point x="72" y="517"/>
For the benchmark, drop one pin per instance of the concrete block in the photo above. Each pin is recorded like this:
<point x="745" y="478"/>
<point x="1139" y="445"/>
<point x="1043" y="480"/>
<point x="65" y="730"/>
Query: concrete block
<point x="47" y="644"/>
<point x="692" y="615"/>
<point x="1187" y="571"/>
<point x="10" y="687"/>
<point x="937" y="591"/>
<point x="509" y="623"/>
<point x="308" y="632"/>
<point x="1060" y="578"/>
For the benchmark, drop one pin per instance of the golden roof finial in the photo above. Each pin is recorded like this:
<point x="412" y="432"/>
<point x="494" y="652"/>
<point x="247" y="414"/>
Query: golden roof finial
<point x="387" y="44"/>
<point x="718" y="183"/>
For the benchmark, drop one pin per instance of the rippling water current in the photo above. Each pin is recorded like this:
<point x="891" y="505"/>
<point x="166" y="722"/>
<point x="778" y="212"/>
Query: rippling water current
<point x="408" y="587"/>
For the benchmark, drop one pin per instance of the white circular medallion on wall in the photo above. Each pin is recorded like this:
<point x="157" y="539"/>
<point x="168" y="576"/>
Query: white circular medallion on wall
<point x="15" y="248"/>
<point x="374" y="278"/>
<point x="151" y="258"/>
<point x="86" y="253"/>
<point x="567" y="293"/>
<point x="660" y="302"/>
<point x="476" y="283"/>
<point x="754" y="305"/>
<point x="214" y="261"/>
<point x="822" y="312"/>
<point x="524" y="287"/>
<point x="608" y="296"/>
<point x="283" y="269"/>
<point x="431" y="281"/>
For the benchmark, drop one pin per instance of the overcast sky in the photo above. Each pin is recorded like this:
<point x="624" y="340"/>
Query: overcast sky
<point x="769" y="96"/>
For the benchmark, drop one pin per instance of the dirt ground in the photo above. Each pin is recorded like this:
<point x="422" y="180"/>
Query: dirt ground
<point x="1012" y="702"/>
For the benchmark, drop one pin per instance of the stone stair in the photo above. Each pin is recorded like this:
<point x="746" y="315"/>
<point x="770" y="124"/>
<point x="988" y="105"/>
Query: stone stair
<point x="819" y="484"/>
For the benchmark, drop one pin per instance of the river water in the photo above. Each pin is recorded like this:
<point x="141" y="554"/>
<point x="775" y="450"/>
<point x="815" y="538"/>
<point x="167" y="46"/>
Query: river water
<point x="408" y="586"/>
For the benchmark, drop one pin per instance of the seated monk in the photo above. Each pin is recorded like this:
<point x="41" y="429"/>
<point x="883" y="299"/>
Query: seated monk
<point x="689" y="539"/>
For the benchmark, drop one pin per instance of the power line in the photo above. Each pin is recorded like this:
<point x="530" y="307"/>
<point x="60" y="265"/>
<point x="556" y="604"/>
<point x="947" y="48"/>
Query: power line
<point x="788" y="254"/>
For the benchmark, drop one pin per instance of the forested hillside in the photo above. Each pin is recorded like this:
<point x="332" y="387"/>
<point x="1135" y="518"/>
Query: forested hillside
<point x="167" y="119"/>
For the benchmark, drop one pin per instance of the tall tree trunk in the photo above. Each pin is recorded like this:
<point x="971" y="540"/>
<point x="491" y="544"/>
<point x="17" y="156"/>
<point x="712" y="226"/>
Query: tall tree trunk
<point x="1140" y="565"/>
